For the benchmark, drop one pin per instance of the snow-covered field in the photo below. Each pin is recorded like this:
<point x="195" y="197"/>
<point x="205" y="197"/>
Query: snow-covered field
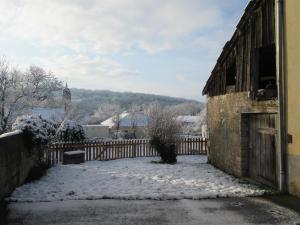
<point x="138" y="178"/>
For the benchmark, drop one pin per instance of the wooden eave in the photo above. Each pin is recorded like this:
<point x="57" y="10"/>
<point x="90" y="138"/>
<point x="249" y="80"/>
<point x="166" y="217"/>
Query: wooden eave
<point x="229" y="46"/>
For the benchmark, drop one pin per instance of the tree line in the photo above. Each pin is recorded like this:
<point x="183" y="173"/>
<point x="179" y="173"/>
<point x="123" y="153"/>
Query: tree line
<point x="21" y="89"/>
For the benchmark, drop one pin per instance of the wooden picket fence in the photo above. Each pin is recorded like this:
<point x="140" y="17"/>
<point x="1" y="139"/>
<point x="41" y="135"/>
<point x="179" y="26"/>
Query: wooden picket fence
<point x="118" y="149"/>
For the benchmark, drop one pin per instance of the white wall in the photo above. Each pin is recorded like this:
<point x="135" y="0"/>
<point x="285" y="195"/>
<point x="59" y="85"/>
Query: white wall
<point x="96" y="131"/>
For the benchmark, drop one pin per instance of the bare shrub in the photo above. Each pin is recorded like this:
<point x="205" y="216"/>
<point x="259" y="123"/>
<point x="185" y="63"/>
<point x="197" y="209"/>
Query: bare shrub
<point x="163" y="130"/>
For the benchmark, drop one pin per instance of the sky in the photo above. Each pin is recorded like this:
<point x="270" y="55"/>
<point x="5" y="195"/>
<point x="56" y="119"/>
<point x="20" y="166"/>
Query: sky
<point x="166" y="47"/>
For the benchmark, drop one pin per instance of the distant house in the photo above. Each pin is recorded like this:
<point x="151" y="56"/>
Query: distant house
<point x="131" y="125"/>
<point x="55" y="114"/>
<point x="252" y="117"/>
<point x="96" y="131"/>
<point x="191" y="125"/>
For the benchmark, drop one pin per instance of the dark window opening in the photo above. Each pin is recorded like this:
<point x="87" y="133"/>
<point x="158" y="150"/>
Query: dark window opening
<point x="267" y="73"/>
<point x="231" y="75"/>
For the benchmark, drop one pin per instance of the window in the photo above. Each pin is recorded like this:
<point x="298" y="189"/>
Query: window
<point x="267" y="88"/>
<point x="267" y="66"/>
<point x="231" y="77"/>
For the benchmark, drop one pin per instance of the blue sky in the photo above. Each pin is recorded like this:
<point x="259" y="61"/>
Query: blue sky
<point x="164" y="47"/>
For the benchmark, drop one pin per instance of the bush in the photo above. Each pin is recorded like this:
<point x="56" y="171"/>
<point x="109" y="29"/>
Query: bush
<point x="163" y="130"/>
<point x="36" y="132"/>
<point x="70" y="131"/>
<point x="36" y="129"/>
<point x="166" y="151"/>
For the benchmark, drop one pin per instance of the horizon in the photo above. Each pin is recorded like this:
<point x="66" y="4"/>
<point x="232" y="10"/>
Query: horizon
<point x="164" y="48"/>
<point x="131" y="92"/>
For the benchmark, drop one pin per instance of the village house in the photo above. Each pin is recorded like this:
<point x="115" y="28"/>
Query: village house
<point x="191" y="125"/>
<point x="253" y="99"/>
<point x="127" y="125"/>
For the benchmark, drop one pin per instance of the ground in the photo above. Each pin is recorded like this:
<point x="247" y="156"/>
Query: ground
<point x="77" y="194"/>
<point x="240" y="211"/>
<point x="139" y="178"/>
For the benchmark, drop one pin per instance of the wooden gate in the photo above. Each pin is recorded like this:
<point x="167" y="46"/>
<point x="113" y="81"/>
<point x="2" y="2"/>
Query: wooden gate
<point x="262" y="145"/>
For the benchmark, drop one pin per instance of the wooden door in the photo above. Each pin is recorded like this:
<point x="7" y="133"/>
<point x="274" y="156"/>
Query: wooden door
<point x="262" y="146"/>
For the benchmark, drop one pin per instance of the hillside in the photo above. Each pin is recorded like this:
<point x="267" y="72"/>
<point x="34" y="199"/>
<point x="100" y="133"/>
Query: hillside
<point x="125" y="99"/>
<point x="86" y="102"/>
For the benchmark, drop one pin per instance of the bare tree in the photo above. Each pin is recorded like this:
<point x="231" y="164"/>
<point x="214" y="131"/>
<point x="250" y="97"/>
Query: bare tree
<point x="133" y="113"/>
<point x="79" y="113"/>
<point x="163" y="130"/>
<point x="117" y="120"/>
<point x="188" y="108"/>
<point x="20" y="90"/>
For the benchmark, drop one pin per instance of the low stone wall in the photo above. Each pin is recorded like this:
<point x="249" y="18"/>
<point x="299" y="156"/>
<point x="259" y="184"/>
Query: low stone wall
<point x="15" y="162"/>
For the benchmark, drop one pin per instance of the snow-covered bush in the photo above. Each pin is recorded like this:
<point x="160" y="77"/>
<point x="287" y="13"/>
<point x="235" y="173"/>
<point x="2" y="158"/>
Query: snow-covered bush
<point x="40" y="130"/>
<point x="70" y="131"/>
<point x="163" y="130"/>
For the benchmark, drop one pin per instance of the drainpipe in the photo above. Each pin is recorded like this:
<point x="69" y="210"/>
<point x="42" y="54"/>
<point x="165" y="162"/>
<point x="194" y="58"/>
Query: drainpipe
<point x="281" y="85"/>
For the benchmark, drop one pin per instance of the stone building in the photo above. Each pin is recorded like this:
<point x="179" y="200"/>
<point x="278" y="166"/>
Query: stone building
<point x="247" y="100"/>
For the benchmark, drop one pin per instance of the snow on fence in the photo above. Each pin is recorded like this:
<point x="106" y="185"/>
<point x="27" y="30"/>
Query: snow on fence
<point x="118" y="149"/>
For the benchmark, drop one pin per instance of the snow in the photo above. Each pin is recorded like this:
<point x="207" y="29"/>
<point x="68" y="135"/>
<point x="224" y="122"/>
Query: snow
<point x="42" y="130"/>
<point x="70" y="131"/>
<point x="126" y="121"/>
<point x="139" y="178"/>
<point x="74" y="152"/>
<point x="141" y="120"/>
<point x="12" y="133"/>
<point x="188" y="119"/>
<point x="94" y="125"/>
<point x="110" y="121"/>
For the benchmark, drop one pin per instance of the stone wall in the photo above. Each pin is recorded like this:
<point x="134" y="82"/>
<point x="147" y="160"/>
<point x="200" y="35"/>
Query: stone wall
<point x="228" y="132"/>
<point x="15" y="162"/>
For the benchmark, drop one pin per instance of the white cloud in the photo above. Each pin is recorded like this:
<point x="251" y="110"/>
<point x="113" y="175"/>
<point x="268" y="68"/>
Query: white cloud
<point x="180" y="77"/>
<point x="82" y="35"/>
<point x="86" y="71"/>
<point x="106" y="25"/>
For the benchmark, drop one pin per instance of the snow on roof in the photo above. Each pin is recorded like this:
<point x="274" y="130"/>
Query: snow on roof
<point x="110" y="121"/>
<point x="10" y="133"/>
<point x="94" y="125"/>
<point x="141" y="120"/>
<point x="125" y="120"/>
<point x="48" y="113"/>
<point x="188" y="119"/>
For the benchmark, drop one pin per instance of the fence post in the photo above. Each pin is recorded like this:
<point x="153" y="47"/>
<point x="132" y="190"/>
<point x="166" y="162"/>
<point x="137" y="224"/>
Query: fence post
<point x="134" y="149"/>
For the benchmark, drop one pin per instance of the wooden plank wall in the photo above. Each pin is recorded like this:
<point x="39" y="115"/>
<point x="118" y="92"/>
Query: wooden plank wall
<point x="262" y="148"/>
<point x="255" y="30"/>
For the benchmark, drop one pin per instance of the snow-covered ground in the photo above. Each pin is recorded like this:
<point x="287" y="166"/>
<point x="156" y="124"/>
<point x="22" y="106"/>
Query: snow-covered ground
<point x="190" y="178"/>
